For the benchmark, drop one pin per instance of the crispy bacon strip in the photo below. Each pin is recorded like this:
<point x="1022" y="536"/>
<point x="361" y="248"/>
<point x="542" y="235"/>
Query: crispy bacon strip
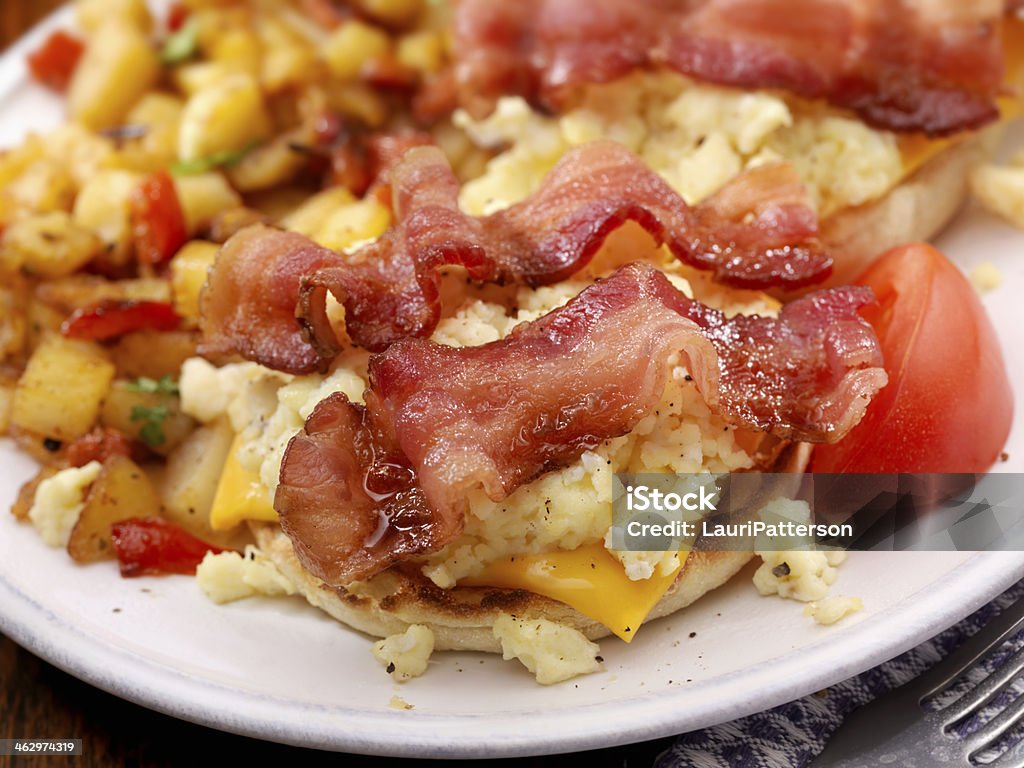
<point x="248" y="303"/>
<point x="759" y="231"/>
<point x="901" y="65"/>
<point x="364" y="487"/>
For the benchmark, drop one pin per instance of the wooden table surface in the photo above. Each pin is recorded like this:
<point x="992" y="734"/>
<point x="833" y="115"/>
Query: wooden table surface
<point x="39" y="701"/>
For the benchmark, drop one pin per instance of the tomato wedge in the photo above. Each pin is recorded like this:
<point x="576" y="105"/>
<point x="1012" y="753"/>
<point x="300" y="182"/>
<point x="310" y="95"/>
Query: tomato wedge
<point x="55" y="61"/>
<point x="948" y="405"/>
<point x="158" y="221"/>
<point x="111" y="318"/>
<point x="153" y="547"/>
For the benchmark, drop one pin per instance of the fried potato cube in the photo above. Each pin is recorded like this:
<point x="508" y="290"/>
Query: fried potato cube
<point x="93" y="14"/>
<point x="392" y="12"/>
<point x="122" y="491"/>
<point x="159" y="114"/>
<point x="133" y="413"/>
<point x="48" y="245"/>
<point x="27" y="493"/>
<point x="62" y="389"/>
<point x="189" y="269"/>
<point x="6" y="406"/>
<point x="238" y="49"/>
<point x="421" y="51"/>
<point x="351" y="225"/>
<point x="117" y="68"/>
<point x="104" y="206"/>
<point x="226" y="116"/>
<point x="310" y="216"/>
<point x="189" y="484"/>
<point x="266" y="167"/>
<point x="202" y="197"/>
<point x="153" y="354"/>
<point x="351" y="45"/>
<point x="44" y="186"/>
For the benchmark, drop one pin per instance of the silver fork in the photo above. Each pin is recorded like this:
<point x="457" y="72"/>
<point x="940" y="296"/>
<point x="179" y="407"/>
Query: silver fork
<point x="894" y="730"/>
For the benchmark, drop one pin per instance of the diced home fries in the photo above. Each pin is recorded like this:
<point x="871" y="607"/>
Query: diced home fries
<point x="256" y="112"/>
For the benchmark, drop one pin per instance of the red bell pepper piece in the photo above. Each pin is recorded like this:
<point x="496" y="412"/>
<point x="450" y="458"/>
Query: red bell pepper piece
<point x="98" y="445"/>
<point x="111" y="318"/>
<point x="158" y="221"/>
<point x="153" y="547"/>
<point x="177" y="15"/>
<point x="54" y="62"/>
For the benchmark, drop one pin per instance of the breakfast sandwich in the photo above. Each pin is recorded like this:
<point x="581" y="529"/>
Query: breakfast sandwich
<point x="590" y="238"/>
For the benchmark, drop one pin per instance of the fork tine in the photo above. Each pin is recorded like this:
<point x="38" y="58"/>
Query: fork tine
<point x="1011" y="758"/>
<point x="985" y="736"/>
<point x="971" y="651"/>
<point x="975" y="698"/>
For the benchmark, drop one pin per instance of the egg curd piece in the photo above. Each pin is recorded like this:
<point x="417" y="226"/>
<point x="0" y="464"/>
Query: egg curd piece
<point x="695" y="136"/>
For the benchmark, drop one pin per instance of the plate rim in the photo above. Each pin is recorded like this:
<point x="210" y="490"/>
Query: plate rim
<point x="162" y="688"/>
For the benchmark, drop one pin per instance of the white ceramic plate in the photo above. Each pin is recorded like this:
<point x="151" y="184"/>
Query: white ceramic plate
<point x="279" y="670"/>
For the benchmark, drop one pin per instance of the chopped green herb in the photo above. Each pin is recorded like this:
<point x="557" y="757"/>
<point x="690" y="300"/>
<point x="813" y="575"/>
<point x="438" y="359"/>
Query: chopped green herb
<point x="166" y="385"/>
<point x="152" y="431"/>
<point x="182" y="45"/>
<point x="227" y="159"/>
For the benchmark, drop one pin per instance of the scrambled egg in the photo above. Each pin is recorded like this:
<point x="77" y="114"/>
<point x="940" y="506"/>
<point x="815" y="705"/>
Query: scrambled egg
<point x="803" y="575"/>
<point x="832" y="609"/>
<point x="229" y="576"/>
<point x="560" y="510"/>
<point x="986" y="277"/>
<point x="696" y="136"/>
<point x="1000" y="188"/>
<point x="552" y="652"/>
<point x="405" y="655"/>
<point x="799" y="575"/>
<point x="59" y="501"/>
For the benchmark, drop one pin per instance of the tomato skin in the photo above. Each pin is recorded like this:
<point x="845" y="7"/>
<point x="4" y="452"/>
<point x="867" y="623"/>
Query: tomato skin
<point x="109" y="319"/>
<point x="948" y="406"/>
<point x="153" y="547"/>
<point x="158" y="221"/>
<point x="55" y="61"/>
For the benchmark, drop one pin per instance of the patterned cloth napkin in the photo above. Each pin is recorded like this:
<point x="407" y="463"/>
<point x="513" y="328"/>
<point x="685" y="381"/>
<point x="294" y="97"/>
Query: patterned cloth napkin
<point x="791" y="735"/>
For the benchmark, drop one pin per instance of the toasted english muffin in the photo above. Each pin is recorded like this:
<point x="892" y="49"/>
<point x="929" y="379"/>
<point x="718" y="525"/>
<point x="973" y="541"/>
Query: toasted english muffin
<point x="917" y="209"/>
<point x="462" y="618"/>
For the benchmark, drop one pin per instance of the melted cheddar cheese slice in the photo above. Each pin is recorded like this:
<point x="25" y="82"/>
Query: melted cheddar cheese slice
<point x="588" y="579"/>
<point x="917" y="149"/>
<point x="240" y="496"/>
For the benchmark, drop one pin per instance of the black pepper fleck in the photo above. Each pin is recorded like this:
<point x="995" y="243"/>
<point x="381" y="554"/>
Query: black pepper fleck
<point x="391" y="667"/>
<point x="781" y="570"/>
<point x="693" y="635"/>
<point x="600" y="659"/>
<point x="51" y="444"/>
